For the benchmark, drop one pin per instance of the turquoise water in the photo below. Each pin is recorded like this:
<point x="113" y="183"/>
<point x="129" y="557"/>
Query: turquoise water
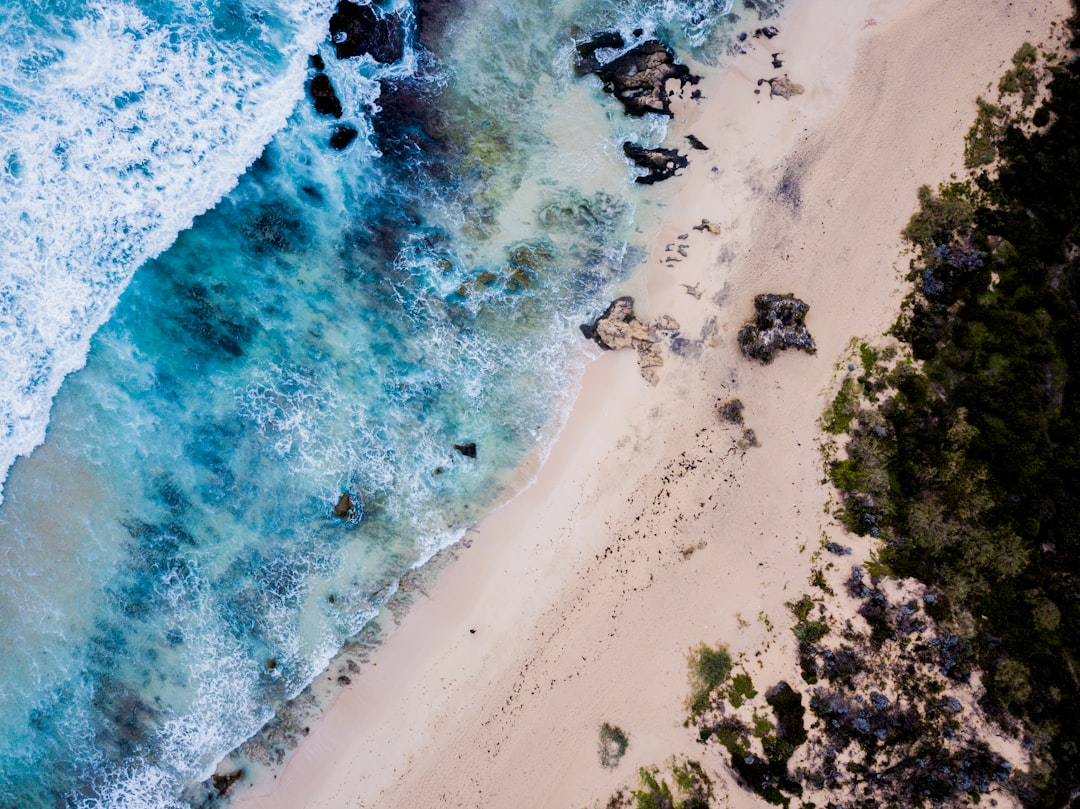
<point x="303" y="322"/>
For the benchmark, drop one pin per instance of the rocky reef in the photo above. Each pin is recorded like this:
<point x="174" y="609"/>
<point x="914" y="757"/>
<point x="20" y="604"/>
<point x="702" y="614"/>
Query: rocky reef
<point x="356" y="30"/>
<point x="660" y="164"/>
<point x="637" y="78"/>
<point x="777" y="325"/>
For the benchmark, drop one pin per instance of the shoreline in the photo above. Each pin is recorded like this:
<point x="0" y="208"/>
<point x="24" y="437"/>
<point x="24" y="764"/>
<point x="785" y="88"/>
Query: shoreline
<point x="649" y="529"/>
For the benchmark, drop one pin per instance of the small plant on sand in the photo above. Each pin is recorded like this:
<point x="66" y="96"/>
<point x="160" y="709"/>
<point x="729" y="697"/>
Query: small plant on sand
<point x="613" y="744"/>
<point x="709" y="668"/>
<point x="693" y="789"/>
<point x="742" y="689"/>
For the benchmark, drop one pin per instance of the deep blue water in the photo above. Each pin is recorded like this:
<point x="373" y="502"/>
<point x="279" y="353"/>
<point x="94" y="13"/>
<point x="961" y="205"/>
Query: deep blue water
<point x="266" y="323"/>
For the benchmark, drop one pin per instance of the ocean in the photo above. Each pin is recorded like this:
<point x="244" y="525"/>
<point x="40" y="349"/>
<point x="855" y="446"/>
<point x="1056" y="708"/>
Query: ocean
<point x="269" y="346"/>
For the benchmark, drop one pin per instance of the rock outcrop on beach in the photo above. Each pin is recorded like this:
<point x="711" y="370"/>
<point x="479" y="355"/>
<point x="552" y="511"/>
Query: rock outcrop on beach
<point x="356" y="30"/>
<point x="659" y="163"/>
<point x="783" y="87"/>
<point x="619" y="327"/>
<point x="777" y="326"/>
<point x="638" y="78"/>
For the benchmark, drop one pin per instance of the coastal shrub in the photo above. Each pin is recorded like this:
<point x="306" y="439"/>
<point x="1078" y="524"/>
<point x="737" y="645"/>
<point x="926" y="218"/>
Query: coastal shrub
<point x="709" y="668"/>
<point x="693" y="788"/>
<point x="742" y="689"/>
<point x="613" y="745"/>
<point x="968" y="469"/>
<point x="1022" y="78"/>
<point x="980" y="143"/>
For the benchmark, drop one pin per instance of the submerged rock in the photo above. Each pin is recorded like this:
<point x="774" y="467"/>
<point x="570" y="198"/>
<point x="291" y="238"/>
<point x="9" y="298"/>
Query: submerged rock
<point x="638" y="78"/>
<point x="587" y="62"/>
<point x="344" y="509"/>
<point x="356" y="30"/>
<point x="777" y="326"/>
<point x="468" y="450"/>
<point x="342" y="137"/>
<point x="659" y="163"/>
<point x="323" y="95"/>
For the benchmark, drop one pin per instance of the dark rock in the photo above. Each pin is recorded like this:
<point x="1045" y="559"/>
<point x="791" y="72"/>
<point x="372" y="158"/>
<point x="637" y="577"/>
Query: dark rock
<point x="342" y="137"/>
<point x="638" y="32"/>
<point x="316" y="62"/>
<point x="769" y="31"/>
<point x="323" y="95"/>
<point x="638" y="78"/>
<point x="731" y="411"/>
<point x="356" y="30"/>
<point x="468" y="450"/>
<point x="221" y="782"/>
<point x="951" y="704"/>
<point x="696" y="144"/>
<point x="344" y="509"/>
<point x="433" y="17"/>
<point x="838" y="549"/>
<point x="777" y="63"/>
<point x="777" y="326"/>
<point x="659" y="163"/>
<point x="587" y="62"/>
<point x="344" y="679"/>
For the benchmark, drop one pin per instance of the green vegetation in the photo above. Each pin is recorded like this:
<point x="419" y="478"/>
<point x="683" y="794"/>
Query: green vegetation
<point x="613" y="745"/>
<point x="1023" y="78"/>
<point x="969" y="468"/>
<point x="692" y="790"/>
<point x="742" y="689"/>
<point x="980" y="143"/>
<point x="709" y="668"/>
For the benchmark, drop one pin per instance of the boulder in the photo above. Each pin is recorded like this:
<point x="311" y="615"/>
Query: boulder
<point x="638" y="78"/>
<point x="659" y="163"/>
<point x="619" y="327"/>
<point x="783" y="87"/>
<point x="323" y="95"/>
<point x="344" y="509"/>
<point x="468" y="450"/>
<point x="777" y="325"/>
<point x="356" y="30"/>
<point x="342" y="137"/>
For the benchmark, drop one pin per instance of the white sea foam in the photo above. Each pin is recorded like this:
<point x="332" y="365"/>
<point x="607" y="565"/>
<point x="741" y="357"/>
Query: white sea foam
<point x="123" y="131"/>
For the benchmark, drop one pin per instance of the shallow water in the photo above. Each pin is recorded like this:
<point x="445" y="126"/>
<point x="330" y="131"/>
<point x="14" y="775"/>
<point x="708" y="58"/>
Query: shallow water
<point x="171" y="571"/>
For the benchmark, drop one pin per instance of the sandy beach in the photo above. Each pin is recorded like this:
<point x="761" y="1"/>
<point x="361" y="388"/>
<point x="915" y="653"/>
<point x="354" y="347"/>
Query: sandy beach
<point x="652" y="526"/>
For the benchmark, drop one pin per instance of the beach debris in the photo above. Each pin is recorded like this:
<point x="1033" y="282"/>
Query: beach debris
<point x="639" y="77"/>
<point x="730" y="410"/>
<point x="777" y="325"/>
<point x="695" y="291"/>
<point x="468" y="450"/>
<point x="777" y="63"/>
<point x="618" y="327"/>
<point x="356" y="30"/>
<point x="706" y="225"/>
<point x="659" y="163"/>
<point x="747" y="440"/>
<point x="782" y="86"/>
<point x="344" y="509"/>
<point x="696" y="143"/>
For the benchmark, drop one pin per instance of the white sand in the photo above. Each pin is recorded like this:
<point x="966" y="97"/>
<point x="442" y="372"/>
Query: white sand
<point x="648" y="531"/>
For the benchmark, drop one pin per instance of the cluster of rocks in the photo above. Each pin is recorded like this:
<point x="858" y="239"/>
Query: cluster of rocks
<point x="619" y="327"/>
<point x="356" y="30"/>
<point x="777" y="325"/>
<point x="638" y="79"/>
